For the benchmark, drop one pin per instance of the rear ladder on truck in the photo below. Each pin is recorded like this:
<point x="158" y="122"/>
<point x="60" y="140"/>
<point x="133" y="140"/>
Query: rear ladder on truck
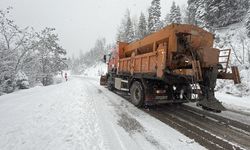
<point x="196" y="69"/>
<point x="224" y="58"/>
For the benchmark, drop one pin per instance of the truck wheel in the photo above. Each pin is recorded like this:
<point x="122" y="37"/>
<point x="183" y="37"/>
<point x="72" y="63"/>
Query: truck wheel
<point x="137" y="94"/>
<point x="110" y="85"/>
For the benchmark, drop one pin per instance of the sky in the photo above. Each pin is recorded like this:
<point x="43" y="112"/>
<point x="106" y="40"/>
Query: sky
<point x="79" y="23"/>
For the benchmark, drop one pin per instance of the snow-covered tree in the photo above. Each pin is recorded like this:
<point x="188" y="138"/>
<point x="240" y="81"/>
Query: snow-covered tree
<point x="91" y="57"/>
<point x="214" y="13"/>
<point x="11" y="41"/>
<point x="20" y="53"/>
<point x="129" y="34"/>
<point x="126" y="30"/>
<point x="178" y="14"/>
<point x="191" y="11"/>
<point x="225" y="12"/>
<point x="21" y="80"/>
<point x="197" y="13"/>
<point x="135" y="24"/>
<point x="167" y="19"/>
<point x="184" y="12"/>
<point x="150" y="20"/>
<point x="175" y="14"/>
<point x="51" y="55"/>
<point x="154" y="15"/>
<point x="201" y="15"/>
<point x="142" y="27"/>
<point x="247" y="23"/>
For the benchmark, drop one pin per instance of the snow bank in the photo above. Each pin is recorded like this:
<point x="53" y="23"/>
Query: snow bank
<point x="240" y="104"/>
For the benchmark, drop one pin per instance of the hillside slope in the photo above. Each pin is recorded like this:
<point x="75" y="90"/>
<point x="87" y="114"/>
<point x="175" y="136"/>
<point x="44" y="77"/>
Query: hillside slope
<point x="234" y="37"/>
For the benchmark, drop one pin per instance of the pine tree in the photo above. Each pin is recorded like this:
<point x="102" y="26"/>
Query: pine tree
<point x="129" y="30"/>
<point x="51" y="54"/>
<point x="167" y="19"/>
<point x="150" y="20"/>
<point x="197" y="13"/>
<point x="185" y="18"/>
<point x="201" y="15"/>
<point x="142" y="27"/>
<point x="225" y="12"/>
<point x="126" y="31"/>
<point x="154" y="14"/>
<point x="247" y="23"/>
<point x="178" y="15"/>
<point x="172" y="12"/>
<point x="191" y="11"/>
<point x="175" y="14"/>
<point x="135" y="24"/>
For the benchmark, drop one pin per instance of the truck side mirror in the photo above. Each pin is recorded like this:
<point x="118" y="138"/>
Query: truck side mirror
<point x="104" y="58"/>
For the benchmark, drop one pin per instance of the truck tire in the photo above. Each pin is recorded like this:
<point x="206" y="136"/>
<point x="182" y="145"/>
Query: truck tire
<point x="137" y="94"/>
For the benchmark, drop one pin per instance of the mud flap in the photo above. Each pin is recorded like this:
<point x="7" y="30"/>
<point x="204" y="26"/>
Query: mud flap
<point x="208" y="100"/>
<point x="211" y="105"/>
<point x="236" y="75"/>
<point x="103" y="80"/>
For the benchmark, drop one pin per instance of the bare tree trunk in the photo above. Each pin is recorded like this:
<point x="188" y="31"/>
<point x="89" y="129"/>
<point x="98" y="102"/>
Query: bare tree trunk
<point x="236" y="56"/>
<point x="243" y="46"/>
<point x="248" y="52"/>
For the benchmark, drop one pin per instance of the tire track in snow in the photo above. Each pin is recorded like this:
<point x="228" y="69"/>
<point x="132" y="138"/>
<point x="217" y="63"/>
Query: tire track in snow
<point x="128" y="123"/>
<point x="108" y="130"/>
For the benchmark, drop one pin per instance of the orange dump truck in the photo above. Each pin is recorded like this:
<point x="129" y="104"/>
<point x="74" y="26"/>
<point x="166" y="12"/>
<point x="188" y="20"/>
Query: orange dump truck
<point x="177" y="64"/>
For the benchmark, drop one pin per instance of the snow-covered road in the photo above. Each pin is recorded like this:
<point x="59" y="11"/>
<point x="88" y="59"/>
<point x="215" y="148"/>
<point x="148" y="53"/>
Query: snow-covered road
<point x="80" y="114"/>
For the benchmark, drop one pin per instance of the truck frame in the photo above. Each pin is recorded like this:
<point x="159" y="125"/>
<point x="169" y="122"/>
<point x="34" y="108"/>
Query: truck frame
<point x="177" y="64"/>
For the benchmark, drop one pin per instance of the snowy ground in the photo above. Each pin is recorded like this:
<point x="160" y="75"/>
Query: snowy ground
<point x="80" y="114"/>
<point x="239" y="104"/>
